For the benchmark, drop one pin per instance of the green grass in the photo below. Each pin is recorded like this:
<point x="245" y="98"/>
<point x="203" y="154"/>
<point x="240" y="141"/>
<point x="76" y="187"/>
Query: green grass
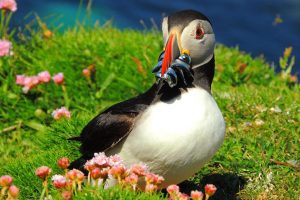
<point x="243" y="161"/>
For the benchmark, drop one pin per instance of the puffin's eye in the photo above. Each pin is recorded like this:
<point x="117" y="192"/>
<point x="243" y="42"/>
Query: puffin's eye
<point x="199" y="33"/>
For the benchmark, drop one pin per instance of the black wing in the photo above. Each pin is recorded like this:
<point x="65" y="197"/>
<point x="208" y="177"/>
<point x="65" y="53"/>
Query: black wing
<point x="114" y="124"/>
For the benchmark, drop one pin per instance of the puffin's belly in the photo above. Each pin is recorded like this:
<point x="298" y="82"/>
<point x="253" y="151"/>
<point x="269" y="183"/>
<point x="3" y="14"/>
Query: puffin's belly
<point x="175" y="138"/>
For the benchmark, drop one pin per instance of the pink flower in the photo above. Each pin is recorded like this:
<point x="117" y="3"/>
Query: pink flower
<point x="63" y="163"/>
<point x="196" y="195"/>
<point x="13" y="191"/>
<point x="66" y="195"/>
<point x="138" y="169"/>
<point x="101" y="160"/>
<point x="75" y="175"/>
<point x="117" y="171"/>
<point x="10" y="5"/>
<point x="61" y="113"/>
<point x="20" y="79"/>
<point x="154" y="179"/>
<point x="29" y="83"/>
<point x="6" y="181"/>
<point x="5" y="47"/>
<point x="89" y="165"/>
<point x="173" y="189"/>
<point x="96" y="173"/>
<point x="58" y="78"/>
<point x="59" y="181"/>
<point x="79" y="176"/>
<point x="132" y="179"/>
<point x="44" y="77"/>
<point x="86" y="72"/>
<point x="114" y="160"/>
<point x="71" y="174"/>
<point x="151" y="188"/>
<point x="182" y="196"/>
<point x="43" y="172"/>
<point x="210" y="189"/>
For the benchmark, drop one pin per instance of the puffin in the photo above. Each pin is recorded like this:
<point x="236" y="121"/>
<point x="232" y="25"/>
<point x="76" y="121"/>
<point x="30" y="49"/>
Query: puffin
<point x="175" y="127"/>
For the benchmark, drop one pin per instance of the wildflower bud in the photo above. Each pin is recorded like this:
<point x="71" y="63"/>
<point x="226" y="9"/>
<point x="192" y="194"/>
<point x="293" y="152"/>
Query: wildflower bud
<point x="101" y="160"/>
<point x="20" y="79"/>
<point x="173" y="189"/>
<point x="75" y="175"/>
<point x="59" y="181"/>
<point x="210" y="189"/>
<point x="86" y="72"/>
<point x="183" y="196"/>
<point x="139" y="170"/>
<point x="58" y="78"/>
<point x="44" y="77"/>
<point x="293" y="79"/>
<point x="6" y="181"/>
<point x="96" y="173"/>
<point x="288" y="51"/>
<point x="43" y="172"/>
<point x="150" y="188"/>
<point x="132" y="179"/>
<point x="9" y="5"/>
<point x="5" y="46"/>
<point x="71" y="174"/>
<point x="63" y="163"/>
<point x="89" y="165"/>
<point x="114" y="160"/>
<point x="153" y="178"/>
<point x="117" y="171"/>
<point x="13" y="191"/>
<point x="48" y="34"/>
<point x="196" y="195"/>
<point x="79" y="176"/>
<point x="62" y="112"/>
<point x="39" y="113"/>
<point x="66" y="195"/>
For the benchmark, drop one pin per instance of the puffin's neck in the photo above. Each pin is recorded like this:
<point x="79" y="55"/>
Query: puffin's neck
<point x="204" y="74"/>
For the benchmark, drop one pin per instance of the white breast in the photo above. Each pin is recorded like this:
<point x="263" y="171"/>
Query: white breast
<point x="175" y="139"/>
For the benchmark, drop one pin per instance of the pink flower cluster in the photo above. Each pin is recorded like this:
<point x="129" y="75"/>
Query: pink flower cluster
<point x="5" y="48"/>
<point x="103" y="167"/>
<point x="8" y="191"/>
<point x="175" y="193"/>
<point x="29" y="82"/>
<point x="9" y="5"/>
<point x="62" y="112"/>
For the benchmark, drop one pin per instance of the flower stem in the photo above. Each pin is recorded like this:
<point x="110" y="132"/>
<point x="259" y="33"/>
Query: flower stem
<point x="43" y="193"/>
<point x="3" y="190"/>
<point x="89" y="179"/>
<point x="2" y="30"/>
<point x="66" y="97"/>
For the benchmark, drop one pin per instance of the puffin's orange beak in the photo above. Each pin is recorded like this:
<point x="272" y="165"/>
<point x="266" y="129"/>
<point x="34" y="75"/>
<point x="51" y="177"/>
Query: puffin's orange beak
<point x="168" y="55"/>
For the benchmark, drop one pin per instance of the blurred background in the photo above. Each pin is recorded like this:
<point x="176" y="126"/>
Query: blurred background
<point x="259" y="27"/>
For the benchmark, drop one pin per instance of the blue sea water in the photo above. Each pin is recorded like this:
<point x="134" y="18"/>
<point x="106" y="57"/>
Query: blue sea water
<point x="247" y="24"/>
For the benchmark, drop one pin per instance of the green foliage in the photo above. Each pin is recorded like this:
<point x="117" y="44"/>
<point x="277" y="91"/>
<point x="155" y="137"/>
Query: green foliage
<point x="262" y="112"/>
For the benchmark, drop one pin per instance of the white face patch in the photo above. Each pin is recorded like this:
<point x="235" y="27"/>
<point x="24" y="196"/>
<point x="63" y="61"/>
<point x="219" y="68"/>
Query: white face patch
<point x="201" y="49"/>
